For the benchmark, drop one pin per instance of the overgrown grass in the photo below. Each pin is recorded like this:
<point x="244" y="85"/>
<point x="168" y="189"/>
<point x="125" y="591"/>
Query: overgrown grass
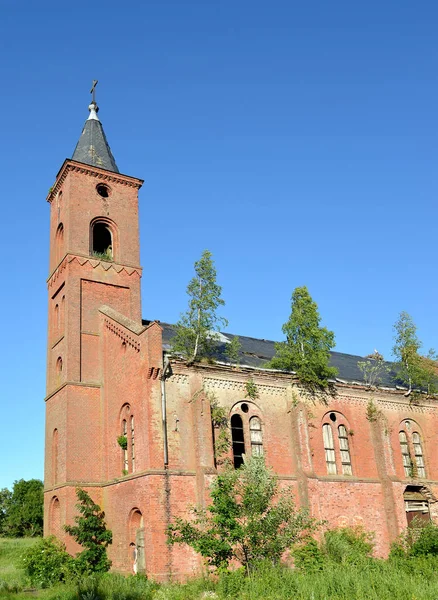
<point x="400" y="578"/>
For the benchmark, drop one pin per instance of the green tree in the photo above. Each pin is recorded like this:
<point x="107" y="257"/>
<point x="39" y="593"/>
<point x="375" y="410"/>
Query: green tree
<point x="307" y="347"/>
<point x="5" y="500"/>
<point x="416" y="371"/>
<point x="373" y="368"/>
<point x="232" y="350"/>
<point x="23" y="516"/>
<point x="91" y="533"/>
<point x="194" y="333"/>
<point x="250" y="519"/>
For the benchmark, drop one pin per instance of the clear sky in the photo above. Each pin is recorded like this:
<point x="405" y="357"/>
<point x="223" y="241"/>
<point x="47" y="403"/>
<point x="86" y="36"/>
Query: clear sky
<point x="295" y="140"/>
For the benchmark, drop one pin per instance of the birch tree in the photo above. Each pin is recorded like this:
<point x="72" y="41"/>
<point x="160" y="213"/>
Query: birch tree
<point x="195" y="331"/>
<point x="306" y="350"/>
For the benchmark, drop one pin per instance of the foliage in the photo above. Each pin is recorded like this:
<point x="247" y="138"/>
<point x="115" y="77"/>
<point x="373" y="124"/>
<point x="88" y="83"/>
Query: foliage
<point x="251" y="390"/>
<point x="22" y="509"/>
<point x="417" y="372"/>
<point x="107" y="255"/>
<point x="373" y="413"/>
<point x="341" y="546"/>
<point x="419" y="539"/>
<point x="219" y="420"/>
<point x="351" y="545"/>
<point x="307" y="347"/>
<point x="122" y="440"/>
<point x="5" y="501"/>
<point x="91" y="533"/>
<point x="47" y="562"/>
<point x="250" y="519"/>
<point x="232" y="350"/>
<point x="195" y="331"/>
<point x="373" y="369"/>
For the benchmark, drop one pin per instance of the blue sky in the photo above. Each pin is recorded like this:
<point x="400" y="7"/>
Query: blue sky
<point x="296" y="141"/>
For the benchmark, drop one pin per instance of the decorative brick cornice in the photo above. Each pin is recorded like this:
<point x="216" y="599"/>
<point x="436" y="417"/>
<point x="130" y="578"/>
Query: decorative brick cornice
<point x="123" y="335"/>
<point x="82" y="260"/>
<point x="179" y="378"/>
<point x="388" y="403"/>
<point x="211" y="383"/>
<point x="101" y="174"/>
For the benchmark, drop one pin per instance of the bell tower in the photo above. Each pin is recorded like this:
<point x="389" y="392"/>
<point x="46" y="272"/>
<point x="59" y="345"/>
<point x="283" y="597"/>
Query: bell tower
<point x="94" y="261"/>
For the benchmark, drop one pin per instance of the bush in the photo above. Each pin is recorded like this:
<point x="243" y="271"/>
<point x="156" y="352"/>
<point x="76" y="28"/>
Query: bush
<point x="308" y="557"/>
<point x="416" y="540"/>
<point x="347" y="545"/>
<point x="47" y="562"/>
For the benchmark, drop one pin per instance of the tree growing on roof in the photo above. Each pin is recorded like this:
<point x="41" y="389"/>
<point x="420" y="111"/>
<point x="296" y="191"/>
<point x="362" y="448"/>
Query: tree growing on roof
<point x="195" y="331"/>
<point x="416" y="371"/>
<point x="307" y="347"/>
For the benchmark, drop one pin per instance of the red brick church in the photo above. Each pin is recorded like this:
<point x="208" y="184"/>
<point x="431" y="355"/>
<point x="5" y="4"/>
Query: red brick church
<point x="109" y="374"/>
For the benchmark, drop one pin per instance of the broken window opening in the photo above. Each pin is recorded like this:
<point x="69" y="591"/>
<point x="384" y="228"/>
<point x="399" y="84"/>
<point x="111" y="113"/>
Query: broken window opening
<point x="125" y="450"/>
<point x="102" y="241"/>
<point x="238" y="440"/>
<point x="416" y="506"/>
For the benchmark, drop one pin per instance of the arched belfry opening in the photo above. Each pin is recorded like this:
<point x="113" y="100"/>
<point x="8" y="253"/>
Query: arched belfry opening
<point x="102" y="240"/>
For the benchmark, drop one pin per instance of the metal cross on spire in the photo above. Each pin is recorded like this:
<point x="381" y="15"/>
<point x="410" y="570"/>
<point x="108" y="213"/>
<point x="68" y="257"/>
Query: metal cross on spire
<point x="93" y="90"/>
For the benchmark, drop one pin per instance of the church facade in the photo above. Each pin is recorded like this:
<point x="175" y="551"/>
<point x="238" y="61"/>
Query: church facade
<point x="134" y="427"/>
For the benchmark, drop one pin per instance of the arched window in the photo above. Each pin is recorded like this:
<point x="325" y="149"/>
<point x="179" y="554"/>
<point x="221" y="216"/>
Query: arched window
<point x="55" y="517"/>
<point x="59" y="243"/>
<point x="238" y="440"/>
<point x="132" y="445"/>
<point x="329" y="447"/>
<point x="345" y="450"/>
<point x="336" y="444"/>
<point x="418" y="453"/>
<point x="102" y="240"/>
<point x="255" y="429"/>
<point x="62" y="315"/>
<point x="55" y="457"/>
<point x="125" y="450"/>
<point x="412" y="451"/>
<point x="57" y="320"/>
<point x="406" y="455"/>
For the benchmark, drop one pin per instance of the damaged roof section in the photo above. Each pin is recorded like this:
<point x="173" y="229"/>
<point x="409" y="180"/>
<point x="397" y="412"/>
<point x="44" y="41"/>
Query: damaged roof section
<point x="256" y="353"/>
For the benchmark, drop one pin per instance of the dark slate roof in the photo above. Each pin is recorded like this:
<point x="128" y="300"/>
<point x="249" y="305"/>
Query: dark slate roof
<point x="93" y="148"/>
<point x="256" y="353"/>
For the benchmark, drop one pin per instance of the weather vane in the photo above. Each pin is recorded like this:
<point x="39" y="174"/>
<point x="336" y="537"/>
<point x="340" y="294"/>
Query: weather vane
<point x="93" y="91"/>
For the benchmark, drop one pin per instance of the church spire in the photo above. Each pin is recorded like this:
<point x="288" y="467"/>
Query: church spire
<point x="92" y="147"/>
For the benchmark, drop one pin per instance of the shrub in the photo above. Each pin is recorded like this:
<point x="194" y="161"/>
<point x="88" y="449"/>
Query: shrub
<point x="91" y="533"/>
<point x="308" y="557"/>
<point x="347" y="545"/>
<point x="47" y="562"/>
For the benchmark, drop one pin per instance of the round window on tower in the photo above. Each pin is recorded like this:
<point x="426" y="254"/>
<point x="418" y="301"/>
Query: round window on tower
<point x="103" y="190"/>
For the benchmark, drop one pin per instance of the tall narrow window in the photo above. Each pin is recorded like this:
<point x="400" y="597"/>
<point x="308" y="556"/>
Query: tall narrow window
<point x="255" y="429"/>
<point x="57" y="321"/>
<point x="238" y="440"/>
<point x="125" y="450"/>
<point x="59" y="243"/>
<point x="345" y="450"/>
<point x="418" y="452"/>
<point x="55" y="457"/>
<point x="132" y="445"/>
<point x="407" y="461"/>
<point x="329" y="447"/>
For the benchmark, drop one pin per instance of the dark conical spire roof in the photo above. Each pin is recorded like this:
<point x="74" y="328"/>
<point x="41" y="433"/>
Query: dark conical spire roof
<point x="92" y="147"/>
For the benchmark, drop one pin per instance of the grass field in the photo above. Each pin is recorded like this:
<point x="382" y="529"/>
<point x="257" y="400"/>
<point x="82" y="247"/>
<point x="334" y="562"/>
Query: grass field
<point x="372" y="580"/>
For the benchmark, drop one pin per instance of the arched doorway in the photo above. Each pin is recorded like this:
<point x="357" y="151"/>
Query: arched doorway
<point x="416" y="504"/>
<point x="136" y="536"/>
